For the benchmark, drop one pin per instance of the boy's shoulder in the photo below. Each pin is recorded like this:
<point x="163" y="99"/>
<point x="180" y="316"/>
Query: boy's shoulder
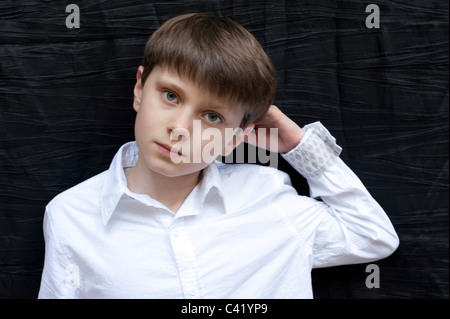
<point x="86" y="194"/>
<point x="251" y="183"/>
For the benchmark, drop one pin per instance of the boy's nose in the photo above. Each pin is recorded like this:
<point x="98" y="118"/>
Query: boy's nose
<point x="180" y="125"/>
<point x="178" y="134"/>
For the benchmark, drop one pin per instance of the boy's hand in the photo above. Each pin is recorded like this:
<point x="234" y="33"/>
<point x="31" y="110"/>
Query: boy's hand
<point x="289" y="133"/>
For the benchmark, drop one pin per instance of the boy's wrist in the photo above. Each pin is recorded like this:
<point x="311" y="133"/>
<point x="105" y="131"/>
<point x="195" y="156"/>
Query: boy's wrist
<point x="315" y="152"/>
<point x="294" y="141"/>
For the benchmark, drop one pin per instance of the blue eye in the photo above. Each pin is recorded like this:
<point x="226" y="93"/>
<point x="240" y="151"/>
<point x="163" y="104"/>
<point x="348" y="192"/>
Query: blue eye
<point x="213" y="118"/>
<point x="170" y="97"/>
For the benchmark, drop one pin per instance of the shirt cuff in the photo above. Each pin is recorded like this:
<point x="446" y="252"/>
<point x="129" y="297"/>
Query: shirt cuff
<point x="315" y="152"/>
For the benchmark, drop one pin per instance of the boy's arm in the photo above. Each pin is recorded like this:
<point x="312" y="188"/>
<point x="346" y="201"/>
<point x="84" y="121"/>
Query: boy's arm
<point x="355" y="228"/>
<point x="59" y="277"/>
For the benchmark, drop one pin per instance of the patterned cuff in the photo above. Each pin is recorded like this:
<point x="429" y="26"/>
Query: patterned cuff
<point x="315" y="152"/>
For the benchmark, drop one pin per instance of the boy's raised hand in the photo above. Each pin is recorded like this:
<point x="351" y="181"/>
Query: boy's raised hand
<point x="289" y="133"/>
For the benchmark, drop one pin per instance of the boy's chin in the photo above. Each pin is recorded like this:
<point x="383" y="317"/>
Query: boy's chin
<point x="174" y="170"/>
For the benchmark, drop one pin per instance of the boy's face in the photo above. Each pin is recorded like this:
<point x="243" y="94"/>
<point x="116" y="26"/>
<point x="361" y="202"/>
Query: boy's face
<point x="180" y="128"/>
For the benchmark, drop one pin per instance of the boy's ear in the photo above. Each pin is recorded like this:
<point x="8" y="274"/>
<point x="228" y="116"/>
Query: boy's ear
<point x="237" y="139"/>
<point x="137" y="92"/>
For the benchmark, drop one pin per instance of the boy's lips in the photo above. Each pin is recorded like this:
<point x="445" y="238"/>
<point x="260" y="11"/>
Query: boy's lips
<point x="169" y="150"/>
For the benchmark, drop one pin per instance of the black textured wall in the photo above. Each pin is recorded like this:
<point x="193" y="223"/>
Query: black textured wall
<point x="65" y="108"/>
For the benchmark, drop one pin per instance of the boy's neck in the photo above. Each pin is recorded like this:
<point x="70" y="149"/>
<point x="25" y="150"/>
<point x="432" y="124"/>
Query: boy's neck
<point x="170" y="191"/>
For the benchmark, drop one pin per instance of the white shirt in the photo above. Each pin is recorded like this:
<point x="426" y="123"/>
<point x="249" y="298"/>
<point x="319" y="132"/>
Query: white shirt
<point x="243" y="232"/>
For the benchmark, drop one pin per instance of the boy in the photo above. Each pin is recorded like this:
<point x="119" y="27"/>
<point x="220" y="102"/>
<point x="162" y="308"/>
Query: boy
<point x="167" y="221"/>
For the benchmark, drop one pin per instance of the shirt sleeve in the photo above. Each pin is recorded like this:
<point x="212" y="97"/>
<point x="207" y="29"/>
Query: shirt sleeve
<point x="60" y="277"/>
<point x="353" y="228"/>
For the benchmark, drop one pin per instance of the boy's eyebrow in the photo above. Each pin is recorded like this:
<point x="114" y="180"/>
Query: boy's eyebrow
<point x="169" y="83"/>
<point x="179" y="90"/>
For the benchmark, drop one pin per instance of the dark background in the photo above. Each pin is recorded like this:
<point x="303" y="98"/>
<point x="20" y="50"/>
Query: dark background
<point x="66" y="107"/>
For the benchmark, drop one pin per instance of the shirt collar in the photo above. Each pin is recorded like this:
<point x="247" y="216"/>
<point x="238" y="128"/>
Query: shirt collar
<point x="207" y="192"/>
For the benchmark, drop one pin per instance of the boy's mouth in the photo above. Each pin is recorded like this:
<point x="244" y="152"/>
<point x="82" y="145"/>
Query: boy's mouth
<point x="168" y="150"/>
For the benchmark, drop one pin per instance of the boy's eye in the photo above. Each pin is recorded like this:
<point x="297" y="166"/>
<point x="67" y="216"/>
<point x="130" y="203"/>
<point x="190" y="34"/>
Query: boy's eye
<point x="170" y="97"/>
<point x="213" y="118"/>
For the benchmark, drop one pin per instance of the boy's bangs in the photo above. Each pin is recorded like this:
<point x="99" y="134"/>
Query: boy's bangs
<point x="209" y="75"/>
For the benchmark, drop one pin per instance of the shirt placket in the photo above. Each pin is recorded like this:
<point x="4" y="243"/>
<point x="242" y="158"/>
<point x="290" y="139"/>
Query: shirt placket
<point x="185" y="258"/>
